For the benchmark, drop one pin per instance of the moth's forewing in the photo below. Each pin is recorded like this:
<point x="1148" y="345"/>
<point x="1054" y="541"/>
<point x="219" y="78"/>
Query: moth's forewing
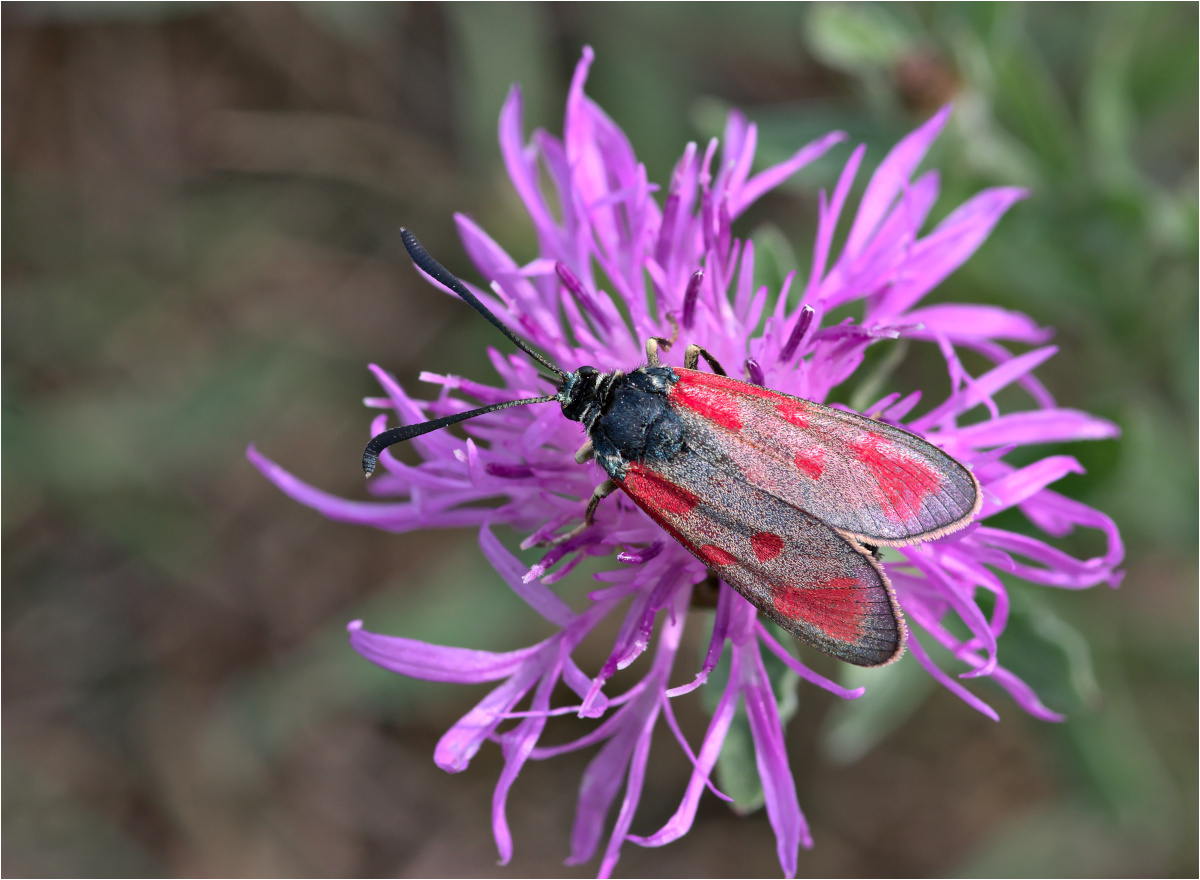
<point x="868" y="479"/>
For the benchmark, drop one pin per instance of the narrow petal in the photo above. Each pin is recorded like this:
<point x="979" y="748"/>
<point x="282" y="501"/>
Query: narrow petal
<point x="770" y="178"/>
<point x="955" y="239"/>
<point x="988" y="384"/>
<point x="1036" y="426"/>
<point x="828" y="216"/>
<point x="1016" y="487"/>
<point x="722" y="620"/>
<point x="1024" y="696"/>
<point x="517" y="745"/>
<point x="461" y="742"/>
<point x="540" y="598"/>
<point x="892" y="175"/>
<point x="962" y="601"/>
<point x="1057" y="569"/>
<point x="680" y="823"/>
<point x="672" y="633"/>
<point x="390" y="517"/>
<point x="523" y="171"/>
<point x="803" y="671"/>
<point x="598" y="789"/>
<point x="633" y="793"/>
<point x="436" y="662"/>
<point x="947" y="681"/>
<point x="959" y="322"/>
<point x="770" y="753"/>
<point x="1058" y="515"/>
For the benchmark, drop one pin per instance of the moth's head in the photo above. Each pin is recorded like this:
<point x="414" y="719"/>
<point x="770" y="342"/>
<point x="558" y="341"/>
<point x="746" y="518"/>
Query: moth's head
<point x="578" y="392"/>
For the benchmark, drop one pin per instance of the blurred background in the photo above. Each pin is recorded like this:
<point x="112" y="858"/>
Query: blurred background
<point x="201" y="207"/>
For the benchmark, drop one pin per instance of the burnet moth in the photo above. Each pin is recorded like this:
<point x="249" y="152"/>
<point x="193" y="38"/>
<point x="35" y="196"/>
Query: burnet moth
<point x="784" y="499"/>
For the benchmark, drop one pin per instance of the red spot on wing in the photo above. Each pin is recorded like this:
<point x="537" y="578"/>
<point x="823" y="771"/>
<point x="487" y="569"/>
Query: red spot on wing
<point x="811" y="461"/>
<point x="713" y="555"/>
<point x="707" y="399"/>
<point x="659" y="493"/>
<point x="766" y="546"/>
<point x="834" y="607"/>
<point x="902" y="483"/>
<point x="793" y="411"/>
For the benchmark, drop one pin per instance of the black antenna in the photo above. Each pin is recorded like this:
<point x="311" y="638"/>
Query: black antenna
<point x="382" y="441"/>
<point x="440" y="273"/>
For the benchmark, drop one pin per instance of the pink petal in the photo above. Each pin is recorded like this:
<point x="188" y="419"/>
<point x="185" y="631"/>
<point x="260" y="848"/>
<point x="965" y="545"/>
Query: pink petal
<point x="1020" y="485"/>
<point x="1037" y="426"/>
<point x="959" y="322"/>
<point x="955" y="239"/>
<point x="681" y="822"/>
<point x="770" y="753"/>
<point x="770" y="178"/>
<point x="892" y="175"/>
<point x="436" y="662"/>
<point x="539" y="597"/>
<point x="461" y="742"/>
<point x="399" y="517"/>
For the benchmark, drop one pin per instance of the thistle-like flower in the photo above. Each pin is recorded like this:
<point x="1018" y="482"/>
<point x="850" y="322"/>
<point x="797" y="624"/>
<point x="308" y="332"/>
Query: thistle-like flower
<point x="615" y="266"/>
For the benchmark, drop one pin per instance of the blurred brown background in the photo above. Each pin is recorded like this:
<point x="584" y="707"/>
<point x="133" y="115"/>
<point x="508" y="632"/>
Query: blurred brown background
<point x="201" y="207"/>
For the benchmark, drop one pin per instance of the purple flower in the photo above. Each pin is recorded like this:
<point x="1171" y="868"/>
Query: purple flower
<point x="613" y="262"/>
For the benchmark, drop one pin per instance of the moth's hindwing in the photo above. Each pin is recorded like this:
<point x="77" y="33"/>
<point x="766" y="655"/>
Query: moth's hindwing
<point x="865" y="478"/>
<point x="817" y="584"/>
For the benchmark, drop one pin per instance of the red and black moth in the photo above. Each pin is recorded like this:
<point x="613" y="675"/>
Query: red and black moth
<point x="784" y="499"/>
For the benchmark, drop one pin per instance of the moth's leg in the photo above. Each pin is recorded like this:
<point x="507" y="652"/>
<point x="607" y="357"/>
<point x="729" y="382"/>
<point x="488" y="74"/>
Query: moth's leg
<point x="674" y="328"/>
<point x="601" y="492"/>
<point x="589" y="517"/>
<point x="691" y="359"/>
<point x="655" y="342"/>
<point x="652" y="345"/>
<point x="585" y="453"/>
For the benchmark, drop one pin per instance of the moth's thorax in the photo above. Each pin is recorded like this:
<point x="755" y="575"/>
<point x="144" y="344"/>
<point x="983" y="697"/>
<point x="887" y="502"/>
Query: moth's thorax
<point x="631" y="420"/>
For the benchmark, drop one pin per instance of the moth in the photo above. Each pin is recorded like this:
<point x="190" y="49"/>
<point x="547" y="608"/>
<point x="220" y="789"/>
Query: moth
<point x="785" y="500"/>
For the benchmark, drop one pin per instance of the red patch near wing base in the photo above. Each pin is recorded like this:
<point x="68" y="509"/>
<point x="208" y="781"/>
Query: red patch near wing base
<point x="902" y="483"/>
<point x="723" y="383"/>
<point x="702" y="398"/>
<point x="834" y="608"/>
<point x="660" y="493"/>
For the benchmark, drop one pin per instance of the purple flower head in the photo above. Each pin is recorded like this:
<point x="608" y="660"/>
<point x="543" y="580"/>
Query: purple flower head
<point x="617" y="260"/>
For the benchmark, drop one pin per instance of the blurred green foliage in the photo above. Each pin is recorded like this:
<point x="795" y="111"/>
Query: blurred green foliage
<point x="200" y="213"/>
